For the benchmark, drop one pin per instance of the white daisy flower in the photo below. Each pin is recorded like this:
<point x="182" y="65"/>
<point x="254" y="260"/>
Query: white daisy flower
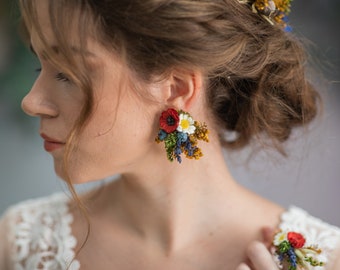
<point x="186" y="124"/>
<point x="279" y="238"/>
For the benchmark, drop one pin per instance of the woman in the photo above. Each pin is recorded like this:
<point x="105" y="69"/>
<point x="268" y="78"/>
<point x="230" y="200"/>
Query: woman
<point x="115" y="75"/>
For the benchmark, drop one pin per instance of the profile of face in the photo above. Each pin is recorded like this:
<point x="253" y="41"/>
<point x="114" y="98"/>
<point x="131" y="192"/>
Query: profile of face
<point x="121" y="129"/>
<point x="225" y="80"/>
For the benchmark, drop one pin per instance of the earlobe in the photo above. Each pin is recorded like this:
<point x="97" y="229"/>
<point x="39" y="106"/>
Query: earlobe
<point x="185" y="88"/>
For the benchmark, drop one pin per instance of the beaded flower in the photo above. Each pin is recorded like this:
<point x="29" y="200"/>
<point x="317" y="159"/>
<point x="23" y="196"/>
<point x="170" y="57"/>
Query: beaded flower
<point x="180" y="133"/>
<point x="274" y="11"/>
<point x="291" y="249"/>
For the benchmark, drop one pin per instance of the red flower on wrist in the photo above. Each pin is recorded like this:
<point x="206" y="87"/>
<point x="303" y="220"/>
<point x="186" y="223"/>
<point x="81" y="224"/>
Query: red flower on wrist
<point x="169" y="120"/>
<point x="296" y="239"/>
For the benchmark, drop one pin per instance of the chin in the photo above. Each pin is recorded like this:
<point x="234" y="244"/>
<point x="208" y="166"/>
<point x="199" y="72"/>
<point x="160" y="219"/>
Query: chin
<point x="79" y="176"/>
<point x="79" y="171"/>
<point x="69" y="176"/>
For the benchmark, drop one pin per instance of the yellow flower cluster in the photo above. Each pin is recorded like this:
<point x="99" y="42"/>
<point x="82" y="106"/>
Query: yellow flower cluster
<point x="261" y="4"/>
<point x="196" y="155"/>
<point x="281" y="5"/>
<point x="201" y="132"/>
<point x="271" y="10"/>
<point x="284" y="7"/>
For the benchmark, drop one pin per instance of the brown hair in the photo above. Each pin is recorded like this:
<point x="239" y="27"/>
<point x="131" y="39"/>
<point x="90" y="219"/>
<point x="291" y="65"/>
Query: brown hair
<point x="255" y="72"/>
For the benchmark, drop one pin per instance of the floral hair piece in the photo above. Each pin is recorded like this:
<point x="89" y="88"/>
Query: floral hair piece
<point x="180" y="134"/>
<point x="274" y="11"/>
<point x="291" y="249"/>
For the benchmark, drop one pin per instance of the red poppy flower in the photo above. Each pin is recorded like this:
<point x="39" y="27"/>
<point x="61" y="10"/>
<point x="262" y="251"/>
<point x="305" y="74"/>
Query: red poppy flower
<point x="169" y="120"/>
<point x="296" y="239"/>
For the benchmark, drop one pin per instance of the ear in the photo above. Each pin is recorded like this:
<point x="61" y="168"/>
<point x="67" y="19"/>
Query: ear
<point x="184" y="88"/>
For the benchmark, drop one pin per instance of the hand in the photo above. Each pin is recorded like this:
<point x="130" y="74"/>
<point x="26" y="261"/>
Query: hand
<point x="258" y="254"/>
<point x="259" y="257"/>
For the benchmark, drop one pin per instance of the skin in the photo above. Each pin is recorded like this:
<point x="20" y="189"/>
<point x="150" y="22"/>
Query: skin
<point x="157" y="215"/>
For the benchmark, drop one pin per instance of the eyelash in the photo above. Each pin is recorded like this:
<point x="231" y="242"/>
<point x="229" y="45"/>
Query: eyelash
<point x="59" y="76"/>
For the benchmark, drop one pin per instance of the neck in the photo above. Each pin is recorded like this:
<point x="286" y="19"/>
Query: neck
<point x="171" y="204"/>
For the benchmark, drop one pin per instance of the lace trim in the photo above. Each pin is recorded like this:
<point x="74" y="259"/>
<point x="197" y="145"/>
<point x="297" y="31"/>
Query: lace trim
<point x="316" y="231"/>
<point x="42" y="236"/>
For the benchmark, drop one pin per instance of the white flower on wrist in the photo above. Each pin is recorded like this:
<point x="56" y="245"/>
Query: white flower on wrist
<point x="279" y="238"/>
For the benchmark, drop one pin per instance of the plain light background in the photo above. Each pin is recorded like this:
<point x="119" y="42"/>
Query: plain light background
<point x="308" y="178"/>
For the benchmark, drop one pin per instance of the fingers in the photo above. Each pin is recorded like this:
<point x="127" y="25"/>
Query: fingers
<point x="268" y="234"/>
<point x="260" y="257"/>
<point x="243" y="266"/>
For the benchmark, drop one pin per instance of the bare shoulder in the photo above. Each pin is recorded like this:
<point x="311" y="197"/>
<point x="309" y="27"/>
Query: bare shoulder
<point x="261" y="210"/>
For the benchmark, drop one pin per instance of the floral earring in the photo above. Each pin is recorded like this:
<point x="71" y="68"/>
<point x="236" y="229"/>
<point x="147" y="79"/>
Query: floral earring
<point x="180" y="134"/>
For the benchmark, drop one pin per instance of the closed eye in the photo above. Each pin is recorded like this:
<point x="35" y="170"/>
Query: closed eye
<point x="62" y="77"/>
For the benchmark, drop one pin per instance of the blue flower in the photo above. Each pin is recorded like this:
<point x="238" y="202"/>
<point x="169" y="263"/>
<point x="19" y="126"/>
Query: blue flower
<point x="181" y="137"/>
<point x="162" y="135"/>
<point x="178" y="151"/>
<point x="292" y="258"/>
<point x="190" y="149"/>
<point x="288" y="29"/>
<point x="281" y="257"/>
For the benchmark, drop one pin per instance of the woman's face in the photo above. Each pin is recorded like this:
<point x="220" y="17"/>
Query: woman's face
<point x="121" y="130"/>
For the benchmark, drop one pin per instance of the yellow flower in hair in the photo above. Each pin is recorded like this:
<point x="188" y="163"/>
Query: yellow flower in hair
<point x="283" y="5"/>
<point x="274" y="11"/>
<point x="261" y="4"/>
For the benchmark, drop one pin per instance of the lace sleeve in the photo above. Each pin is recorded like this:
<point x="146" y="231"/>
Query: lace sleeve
<point x="39" y="236"/>
<point x="317" y="232"/>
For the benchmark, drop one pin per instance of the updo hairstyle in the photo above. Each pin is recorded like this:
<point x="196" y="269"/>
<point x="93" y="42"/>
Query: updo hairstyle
<point x="255" y="72"/>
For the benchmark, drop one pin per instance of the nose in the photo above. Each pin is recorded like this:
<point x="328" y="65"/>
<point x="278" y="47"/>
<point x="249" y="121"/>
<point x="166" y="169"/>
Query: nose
<point x="38" y="103"/>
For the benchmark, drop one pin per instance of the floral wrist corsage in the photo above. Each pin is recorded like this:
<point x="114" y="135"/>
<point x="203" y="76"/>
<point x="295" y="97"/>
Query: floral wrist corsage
<point x="291" y="251"/>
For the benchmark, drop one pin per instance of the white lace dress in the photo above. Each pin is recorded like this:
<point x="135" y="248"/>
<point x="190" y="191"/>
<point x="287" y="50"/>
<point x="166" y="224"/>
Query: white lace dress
<point x="37" y="234"/>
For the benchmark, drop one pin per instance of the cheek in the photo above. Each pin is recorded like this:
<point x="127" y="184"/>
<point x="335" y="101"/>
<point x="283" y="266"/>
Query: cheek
<point x="121" y="128"/>
<point x="114" y="138"/>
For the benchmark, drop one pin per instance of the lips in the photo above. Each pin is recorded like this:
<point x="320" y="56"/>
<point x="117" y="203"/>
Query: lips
<point x="51" y="144"/>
